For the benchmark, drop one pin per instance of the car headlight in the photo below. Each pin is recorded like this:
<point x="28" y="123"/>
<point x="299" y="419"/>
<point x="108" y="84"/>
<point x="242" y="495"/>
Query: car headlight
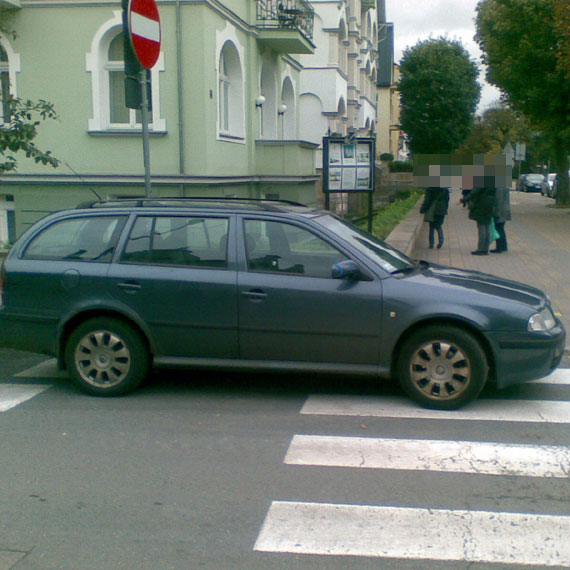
<point x="542" y="321"/>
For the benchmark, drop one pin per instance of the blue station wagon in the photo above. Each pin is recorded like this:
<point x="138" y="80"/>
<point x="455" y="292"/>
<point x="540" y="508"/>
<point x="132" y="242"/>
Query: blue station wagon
<point x="114" y="288"/>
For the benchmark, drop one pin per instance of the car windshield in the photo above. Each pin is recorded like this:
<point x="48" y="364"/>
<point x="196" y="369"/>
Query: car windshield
<point x="535" y="177"/>
<point x="390" y="259"/>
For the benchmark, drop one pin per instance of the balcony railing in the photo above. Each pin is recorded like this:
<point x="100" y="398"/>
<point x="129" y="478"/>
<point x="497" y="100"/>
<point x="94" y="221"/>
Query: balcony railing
<point x="286" y="15"/>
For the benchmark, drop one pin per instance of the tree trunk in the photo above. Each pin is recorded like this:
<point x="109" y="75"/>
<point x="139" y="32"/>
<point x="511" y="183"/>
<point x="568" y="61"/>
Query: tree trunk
<point x="562" y="179"/>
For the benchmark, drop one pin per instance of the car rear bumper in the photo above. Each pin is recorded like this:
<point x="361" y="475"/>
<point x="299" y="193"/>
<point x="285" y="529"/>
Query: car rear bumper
<point x="521" y="357"/>
<point x="31" y="333"/>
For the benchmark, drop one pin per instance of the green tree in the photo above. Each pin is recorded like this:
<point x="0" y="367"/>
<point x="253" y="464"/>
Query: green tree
<point x="21" y="120"/>
<point x="520" y="46"/>
<point x="496" y="127"/>
<point x="562" y="27"/>
<point x="439" y="95"/>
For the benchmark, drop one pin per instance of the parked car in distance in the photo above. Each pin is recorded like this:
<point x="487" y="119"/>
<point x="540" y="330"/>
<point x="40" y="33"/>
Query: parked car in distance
<point x="533" y="183"/>
<point x="112" y="289"/>
<point x="555" y="185"/>
<point x="549" y="189"/>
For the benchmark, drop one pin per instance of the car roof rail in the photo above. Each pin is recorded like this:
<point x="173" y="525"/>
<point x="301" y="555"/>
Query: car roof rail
<point x="139" y="202"/>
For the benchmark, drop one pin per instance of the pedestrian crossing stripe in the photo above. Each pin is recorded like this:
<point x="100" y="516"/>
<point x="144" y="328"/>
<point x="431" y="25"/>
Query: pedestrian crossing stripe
<point x="483" y="458"/>
<point x="12" y="395"/>
<point x="46" y="369"/>
<point x="536" y="411"/>
<point x="559" y="376"/>
<point x="416" y="533"/>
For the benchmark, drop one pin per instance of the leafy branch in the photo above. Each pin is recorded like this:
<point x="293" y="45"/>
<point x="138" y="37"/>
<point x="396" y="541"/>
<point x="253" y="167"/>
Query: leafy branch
<point x="20" y="128"/>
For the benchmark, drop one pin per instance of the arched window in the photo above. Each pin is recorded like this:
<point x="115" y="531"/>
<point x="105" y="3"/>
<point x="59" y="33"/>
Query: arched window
<point x="9" y="65"/>
<point x="230" y="93"/>
<point x="115" y="68"/>
<point x="269" y="109"/>
<point x="287" y="110"/>
<point x="106" y="64"/>
<point x="4" y="84"/>
<point x="343" y="47"/>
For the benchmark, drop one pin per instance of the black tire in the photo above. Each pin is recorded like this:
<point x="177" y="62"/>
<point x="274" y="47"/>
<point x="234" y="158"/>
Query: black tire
<point x="107" y="357"/>
<point x="442" y="367"/>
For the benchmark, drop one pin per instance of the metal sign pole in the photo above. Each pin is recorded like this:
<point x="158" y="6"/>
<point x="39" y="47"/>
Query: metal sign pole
<point x="146" y="146"/>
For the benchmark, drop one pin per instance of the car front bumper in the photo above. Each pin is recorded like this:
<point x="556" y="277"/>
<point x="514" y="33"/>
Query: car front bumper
<point x="521" y="357"/>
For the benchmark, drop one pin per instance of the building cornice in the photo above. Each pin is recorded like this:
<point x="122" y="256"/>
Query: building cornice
<point x="87" y="180"/>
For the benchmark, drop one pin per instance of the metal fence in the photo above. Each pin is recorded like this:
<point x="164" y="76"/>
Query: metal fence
<point x="286" y="14"/>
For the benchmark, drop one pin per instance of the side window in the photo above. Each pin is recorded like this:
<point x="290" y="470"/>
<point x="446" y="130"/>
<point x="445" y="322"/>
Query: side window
<point x="79" y="239"/>
<point x="286" y="248"/>
<point x="178" y="240"/>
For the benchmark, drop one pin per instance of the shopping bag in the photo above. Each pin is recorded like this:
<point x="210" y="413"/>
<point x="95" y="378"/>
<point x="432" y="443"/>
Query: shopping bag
<point x="494" y="233"/>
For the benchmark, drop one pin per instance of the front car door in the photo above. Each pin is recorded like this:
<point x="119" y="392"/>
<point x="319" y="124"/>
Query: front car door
<point x="291" y="309"/>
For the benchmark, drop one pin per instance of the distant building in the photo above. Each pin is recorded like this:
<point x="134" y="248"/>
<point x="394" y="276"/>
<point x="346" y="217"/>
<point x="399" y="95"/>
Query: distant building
<point x="338" y="81"/>
<point x="388" y="140"/>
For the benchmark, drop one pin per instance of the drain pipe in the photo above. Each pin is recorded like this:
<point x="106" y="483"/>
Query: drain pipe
<point x="181" y="152"/>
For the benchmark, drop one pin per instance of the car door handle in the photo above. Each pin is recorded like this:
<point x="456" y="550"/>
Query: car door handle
<point x="255" y="294"/>
<point x="129" y="286"/>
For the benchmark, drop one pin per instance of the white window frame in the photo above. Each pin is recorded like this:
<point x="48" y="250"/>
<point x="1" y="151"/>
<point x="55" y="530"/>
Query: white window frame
<point x="98" y="66"/>
<point x="12" y="66"/>
<point x="5" y="207"/>
<point x="230" y="121"/>
<point x="224" y="95"/>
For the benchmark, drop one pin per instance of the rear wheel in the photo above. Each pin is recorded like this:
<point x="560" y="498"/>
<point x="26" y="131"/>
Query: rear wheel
<point x="442" y="367"/>
<point x="107" y="357"/>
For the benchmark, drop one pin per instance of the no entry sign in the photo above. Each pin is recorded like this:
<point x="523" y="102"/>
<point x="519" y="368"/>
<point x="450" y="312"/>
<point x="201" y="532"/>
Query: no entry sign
<point x="144" y="31"/>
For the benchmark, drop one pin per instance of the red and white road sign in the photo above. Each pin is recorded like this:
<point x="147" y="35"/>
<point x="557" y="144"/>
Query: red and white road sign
<point x="144" y="31"/>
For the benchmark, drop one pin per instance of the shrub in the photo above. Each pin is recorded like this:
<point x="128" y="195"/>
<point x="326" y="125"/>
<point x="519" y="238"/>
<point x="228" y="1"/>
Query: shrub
<point x="386" y="218"/>
<point x="401" y="166"/>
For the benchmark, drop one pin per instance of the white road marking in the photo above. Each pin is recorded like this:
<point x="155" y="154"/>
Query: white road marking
<point x="13" y="394"/>
<point x="416" y="533"/>
<point x="47" y="369"/>
<point x="430" y="455"/>
<point x="559" y="376"/>
<point x="537" y="411"/>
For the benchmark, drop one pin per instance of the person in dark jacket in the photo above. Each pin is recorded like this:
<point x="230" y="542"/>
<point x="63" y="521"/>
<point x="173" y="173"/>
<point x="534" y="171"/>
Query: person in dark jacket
<point x="434" y="208"/>
<point x="481" y="203"/>
<point x="502" y="214"/>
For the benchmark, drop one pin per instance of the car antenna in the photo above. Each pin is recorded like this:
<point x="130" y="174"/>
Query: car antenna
<point x="82" y="180"/>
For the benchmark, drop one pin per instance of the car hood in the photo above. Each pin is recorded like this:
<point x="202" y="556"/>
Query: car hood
<point x="486" y="284"/>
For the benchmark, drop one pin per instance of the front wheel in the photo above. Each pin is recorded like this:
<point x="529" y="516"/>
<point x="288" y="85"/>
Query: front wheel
<point x="442" y="367"/>
<point x="107" y="357"/>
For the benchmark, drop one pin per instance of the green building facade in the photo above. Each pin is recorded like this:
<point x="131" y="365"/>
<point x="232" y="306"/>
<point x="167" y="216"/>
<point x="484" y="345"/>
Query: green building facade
<point x="225" y="104"/>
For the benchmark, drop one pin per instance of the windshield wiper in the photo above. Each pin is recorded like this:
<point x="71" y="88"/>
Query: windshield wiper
<point x="407" y="269"/>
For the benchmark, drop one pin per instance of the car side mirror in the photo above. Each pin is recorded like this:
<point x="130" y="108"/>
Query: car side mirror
<point x="345" y="270"/>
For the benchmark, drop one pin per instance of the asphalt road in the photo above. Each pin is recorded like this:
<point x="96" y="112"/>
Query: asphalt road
<point x="223" y="471"/>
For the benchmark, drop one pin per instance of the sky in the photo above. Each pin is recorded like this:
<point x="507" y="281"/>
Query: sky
<point x="416" y="20"/>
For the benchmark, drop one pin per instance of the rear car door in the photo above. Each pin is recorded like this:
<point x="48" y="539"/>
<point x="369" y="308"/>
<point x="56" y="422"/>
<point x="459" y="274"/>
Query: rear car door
<point x="62" y="268"/>
<point x="176" y="272"/>
<point x="290" y="308"/>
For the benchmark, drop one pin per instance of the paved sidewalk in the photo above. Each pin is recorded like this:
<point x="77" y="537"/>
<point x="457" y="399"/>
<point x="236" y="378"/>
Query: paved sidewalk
<point x="538" y="238"/>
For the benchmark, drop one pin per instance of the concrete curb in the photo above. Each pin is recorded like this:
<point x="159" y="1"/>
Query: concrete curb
<point x="404" y="235"/>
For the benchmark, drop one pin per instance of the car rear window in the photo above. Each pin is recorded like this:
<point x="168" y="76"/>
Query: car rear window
<point x="77" y="239"/>
<point x="178" y="240"/>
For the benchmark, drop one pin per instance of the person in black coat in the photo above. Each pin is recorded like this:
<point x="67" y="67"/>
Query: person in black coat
<point x="434" y="208"/>
<point x="481" y="203"/>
